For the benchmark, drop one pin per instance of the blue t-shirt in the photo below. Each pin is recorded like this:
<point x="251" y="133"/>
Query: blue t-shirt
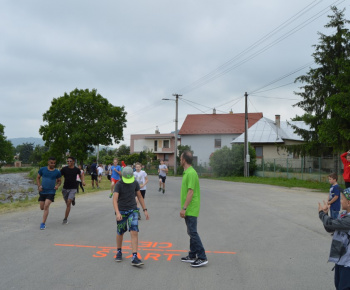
<point x="115" y="175"/>
<point x="335" y="191"/>
<point x="48" y="179"/>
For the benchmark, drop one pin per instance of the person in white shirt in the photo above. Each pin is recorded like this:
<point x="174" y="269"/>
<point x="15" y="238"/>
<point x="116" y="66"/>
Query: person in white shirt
<point x="142" y="179"/>
<point x="162" y="171"/>
<point x="100" y="172"/>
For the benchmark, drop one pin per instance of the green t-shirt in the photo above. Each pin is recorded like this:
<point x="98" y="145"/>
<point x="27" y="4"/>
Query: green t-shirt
<point x="190" y="181"/>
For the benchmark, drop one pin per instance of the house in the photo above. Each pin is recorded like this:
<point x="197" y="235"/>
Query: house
<point x="267" y="135"/>
<point x="206" y="133"/>
<point x="163" y="145"/>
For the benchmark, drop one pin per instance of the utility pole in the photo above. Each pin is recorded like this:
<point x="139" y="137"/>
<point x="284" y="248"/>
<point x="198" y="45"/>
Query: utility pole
<point x="176" y="123"/>
<point x="246" y="150"/>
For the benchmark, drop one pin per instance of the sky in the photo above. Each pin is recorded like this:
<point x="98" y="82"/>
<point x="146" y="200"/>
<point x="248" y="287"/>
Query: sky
<point x="135" y="53"/>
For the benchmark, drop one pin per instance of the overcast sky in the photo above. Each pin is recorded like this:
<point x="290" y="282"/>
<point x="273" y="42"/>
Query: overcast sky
<point x="137" y="52"/>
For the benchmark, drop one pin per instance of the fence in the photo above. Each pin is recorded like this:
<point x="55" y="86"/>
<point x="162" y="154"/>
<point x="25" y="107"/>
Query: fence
<point x="308" y="168"/>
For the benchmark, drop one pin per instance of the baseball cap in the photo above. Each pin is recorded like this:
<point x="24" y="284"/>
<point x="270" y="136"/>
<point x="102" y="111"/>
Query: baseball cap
<point x="346" y="193"/>
<point x="128" y="175"/>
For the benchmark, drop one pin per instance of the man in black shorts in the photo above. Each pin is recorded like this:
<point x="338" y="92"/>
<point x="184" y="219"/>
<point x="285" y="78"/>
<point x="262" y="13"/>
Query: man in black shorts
<point x="70" y="185"/>
<point x="47" y="189"/>
<point x="93" y="171"/>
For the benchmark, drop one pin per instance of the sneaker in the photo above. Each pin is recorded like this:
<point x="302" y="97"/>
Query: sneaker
<point x="73" y="202"/>
<point x="159" y="189"/>
<point x="118" y="257"/>
<point x="111" y="195"/>
<point x="42" y="226"/>
<point x="136" y="262"/>
<point x="188" y="259"/>
<point x="163" y="191"/>
<point x="65" y="221"/>
<point x="199" y="263"/>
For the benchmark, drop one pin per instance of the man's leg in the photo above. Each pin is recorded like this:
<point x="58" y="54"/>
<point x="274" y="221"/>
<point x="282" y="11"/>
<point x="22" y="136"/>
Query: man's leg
<point x="119" y="241"/>
<point x="196" y="246"/>
<point x="68" y="203"/>
<point x="134" y="241"/>
<point x="46" y="209"/>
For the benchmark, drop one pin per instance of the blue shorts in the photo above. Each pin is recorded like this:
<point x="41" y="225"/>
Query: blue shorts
<point x="130" y="219"/>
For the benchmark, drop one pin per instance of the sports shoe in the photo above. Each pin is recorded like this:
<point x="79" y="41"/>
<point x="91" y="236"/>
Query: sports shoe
<point x="188" y="259"/>
<point x="65" y="221"/>
<point x="199" y="263"/>
<point x="42" y="226"/>
<point x="159" y="189"/>
<point x="163" y="191"/>
<point x="118" y="257"/>
<point x="73" y="202"/>
<point x="136" y="262"/>
<point x="110" y="196"/>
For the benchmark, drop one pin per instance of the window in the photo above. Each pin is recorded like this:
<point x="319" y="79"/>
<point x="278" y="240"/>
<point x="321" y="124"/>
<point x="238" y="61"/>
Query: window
<point x="217" y="143"/>
<point x="166" y="157"/>
<point x="155" y="145"/>
<point x="259" y="151"/>
<point x="166" y="144"/>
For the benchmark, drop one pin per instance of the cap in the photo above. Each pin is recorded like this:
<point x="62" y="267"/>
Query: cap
<point x="346" y="193"/>
<point x="128" y="175"/>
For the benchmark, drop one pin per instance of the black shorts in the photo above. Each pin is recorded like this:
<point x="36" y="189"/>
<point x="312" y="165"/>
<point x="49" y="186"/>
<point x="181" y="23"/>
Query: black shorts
<point x="162" y="178"/>
<point x="94" y="177"/>
<point x="43" y="197"/>
<point x="143" y="193"/>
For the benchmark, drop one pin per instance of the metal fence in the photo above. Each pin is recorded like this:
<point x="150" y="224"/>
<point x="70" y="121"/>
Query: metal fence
<point x="308" y="168"/>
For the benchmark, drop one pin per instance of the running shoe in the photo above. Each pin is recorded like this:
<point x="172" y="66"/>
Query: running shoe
<point x="42" y="226"/>
<point x="73" y="202"/>
<point x="159" y="189"/>
<point x="188" y="259"/>
<point x="118" y="257"/>
<point x="163" y="191"/>
<point x="65" y="221"/>
<point x="199" y="263"/>
<point x="136" y="262"/>
<point x="110" y="196"/>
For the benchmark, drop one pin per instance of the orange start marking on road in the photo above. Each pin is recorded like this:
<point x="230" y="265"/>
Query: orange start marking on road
<point x="103" y="252"/>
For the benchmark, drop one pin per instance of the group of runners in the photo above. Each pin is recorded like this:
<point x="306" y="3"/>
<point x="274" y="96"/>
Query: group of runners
<point x="128" y="190"/>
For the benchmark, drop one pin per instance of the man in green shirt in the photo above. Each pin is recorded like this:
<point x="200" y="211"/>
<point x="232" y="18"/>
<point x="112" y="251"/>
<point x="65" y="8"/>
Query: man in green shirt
<point x="190" y="204"/>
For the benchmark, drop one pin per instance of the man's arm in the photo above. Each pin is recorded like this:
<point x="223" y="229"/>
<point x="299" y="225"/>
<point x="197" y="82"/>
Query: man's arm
<point x="142" y="202"/>
<point x="40" y="188"/>
<point x="58" y="183"/>
<point x="187" y="202"/>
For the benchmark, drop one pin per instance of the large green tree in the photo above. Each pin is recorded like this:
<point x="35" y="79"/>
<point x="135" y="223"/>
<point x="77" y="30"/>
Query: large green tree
<point x="326" y="91"/>
<point x="25" y="151"/>
<point x="6" y="148"/>
<point x="78" y="121"/>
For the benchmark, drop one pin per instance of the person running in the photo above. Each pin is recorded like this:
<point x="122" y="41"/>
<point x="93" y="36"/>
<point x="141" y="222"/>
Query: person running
<point x="69" y="190"/>
<point x="116" y="173"/>
<point x="93" y="172"/>
<point x="51" y="181"/>
<point x="126" y="211"/>
<point x="79" y="183"/>
<point x="162" y="171"/>
<point x="345" y="158"/>
<point x="142" y="179"/>
<point x="190" y="205"/>
<point x="100" y="173"/>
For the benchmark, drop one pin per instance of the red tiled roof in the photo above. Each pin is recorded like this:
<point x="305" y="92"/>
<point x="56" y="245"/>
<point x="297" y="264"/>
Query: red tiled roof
<point x="217" y="123"/>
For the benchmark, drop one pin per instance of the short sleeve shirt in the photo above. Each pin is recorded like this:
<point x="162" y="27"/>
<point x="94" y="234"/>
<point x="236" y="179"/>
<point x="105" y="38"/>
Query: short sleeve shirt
<point x="126" y="198"/>
<point x="190" y="180"/>
<point x="49" y="178"/>
<point x="140" y="177"/>
<point x="161" y="170"/>
<point x="115" y="174"/>
<point x="70" y="177"/>
<point x="335" y="191"/>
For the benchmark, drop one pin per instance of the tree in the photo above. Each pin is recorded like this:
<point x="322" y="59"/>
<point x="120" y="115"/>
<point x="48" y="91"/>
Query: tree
<point x="6" y="148"/>
<point x="36" y="158"/>
<point x="79" y="120"/>
<point x="25" y="151"/>
<point x="230" y="161"/>
<point x="326" y="91"/>
<point x="123" y="150"/>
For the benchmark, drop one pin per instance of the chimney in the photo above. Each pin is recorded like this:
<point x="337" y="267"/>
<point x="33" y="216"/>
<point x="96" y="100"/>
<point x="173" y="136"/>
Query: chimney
<point x="278" y="121"/>
<point x="214" y="111"/>
<point x="157" y="130"/>
<point x="231" y="112"/>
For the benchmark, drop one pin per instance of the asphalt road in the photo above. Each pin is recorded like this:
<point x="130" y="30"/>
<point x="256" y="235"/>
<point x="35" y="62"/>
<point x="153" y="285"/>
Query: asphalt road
<point x="256" y="237"/>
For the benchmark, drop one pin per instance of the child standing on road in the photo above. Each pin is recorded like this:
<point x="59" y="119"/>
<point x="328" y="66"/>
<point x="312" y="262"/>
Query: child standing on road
<point x="127" y="213"/>
<point x="142" y="179"/>
<point x="340" y="249"/>
<point x="334" y="195"/>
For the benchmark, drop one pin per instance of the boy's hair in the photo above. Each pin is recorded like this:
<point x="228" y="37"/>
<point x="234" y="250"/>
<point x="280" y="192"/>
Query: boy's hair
<point x="333" y="175"/>
<point x="71" y="157"/>
<point x="52" y="158"/>
<point x="138" y="163"/>
<point x="187" y="155"/>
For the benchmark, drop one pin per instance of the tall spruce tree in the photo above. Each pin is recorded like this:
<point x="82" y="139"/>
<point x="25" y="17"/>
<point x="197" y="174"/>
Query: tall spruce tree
<point x="326" y="91"/>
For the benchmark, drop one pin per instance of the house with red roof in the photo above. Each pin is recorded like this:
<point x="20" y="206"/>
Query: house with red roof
<point x="206" y="133"/>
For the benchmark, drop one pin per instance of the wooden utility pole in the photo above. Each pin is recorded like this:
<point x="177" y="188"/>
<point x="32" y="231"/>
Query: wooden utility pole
<point x="246" y="149"/>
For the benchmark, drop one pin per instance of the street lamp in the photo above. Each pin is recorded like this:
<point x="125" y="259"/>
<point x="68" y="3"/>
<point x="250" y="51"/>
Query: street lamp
<point x="176" y="121"/>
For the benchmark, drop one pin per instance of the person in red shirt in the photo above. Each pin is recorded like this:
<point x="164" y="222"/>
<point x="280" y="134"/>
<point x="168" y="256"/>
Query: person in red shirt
<point x="345" y="158"/>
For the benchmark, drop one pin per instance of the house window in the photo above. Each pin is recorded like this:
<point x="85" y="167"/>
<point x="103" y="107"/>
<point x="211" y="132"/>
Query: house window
<point x="155" y="145"/>
<point x="217" y="143"/>
<point x="166" y="157"/>
<point x="259" y="151"/>
<point x="166" y="144"/>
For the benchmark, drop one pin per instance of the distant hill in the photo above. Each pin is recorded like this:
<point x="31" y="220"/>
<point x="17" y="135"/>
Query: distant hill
<point x="20" y="141"/>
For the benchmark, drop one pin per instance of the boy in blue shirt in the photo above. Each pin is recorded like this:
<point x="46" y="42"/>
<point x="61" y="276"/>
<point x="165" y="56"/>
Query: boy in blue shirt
<point x="51" y="181"/>
<point x="334" y="195"/>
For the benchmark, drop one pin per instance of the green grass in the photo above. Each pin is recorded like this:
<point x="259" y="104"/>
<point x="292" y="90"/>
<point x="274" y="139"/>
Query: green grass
<point x="15" y="169"/>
